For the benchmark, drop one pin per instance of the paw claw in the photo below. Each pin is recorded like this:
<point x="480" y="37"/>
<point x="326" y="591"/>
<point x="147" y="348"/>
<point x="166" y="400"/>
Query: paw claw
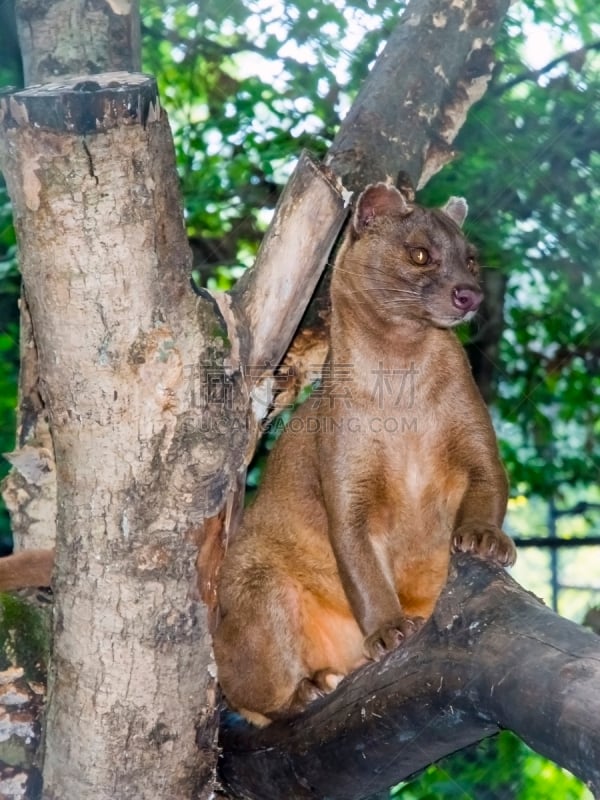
<point x="310" y="689"/>
<point x="390" y="636"/>
<point x="486" y="541"/>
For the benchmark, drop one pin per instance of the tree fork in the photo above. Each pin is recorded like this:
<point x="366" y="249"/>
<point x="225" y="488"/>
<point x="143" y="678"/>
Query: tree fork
<point x="492" y="656"/>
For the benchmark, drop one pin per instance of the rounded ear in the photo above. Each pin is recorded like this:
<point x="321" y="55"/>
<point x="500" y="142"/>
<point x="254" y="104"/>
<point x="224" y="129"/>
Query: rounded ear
<point x="457" y="209"/>
<point x="379" y="200"/>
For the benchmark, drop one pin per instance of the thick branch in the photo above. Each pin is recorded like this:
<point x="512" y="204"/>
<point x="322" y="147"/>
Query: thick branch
<point x="435" y="65"/>
<point x="492" y="656"/>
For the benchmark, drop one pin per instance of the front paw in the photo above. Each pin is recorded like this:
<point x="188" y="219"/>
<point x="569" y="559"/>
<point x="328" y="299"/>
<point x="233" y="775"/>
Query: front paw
<point x="486" y="541"/>
<point x="389" y="636"/>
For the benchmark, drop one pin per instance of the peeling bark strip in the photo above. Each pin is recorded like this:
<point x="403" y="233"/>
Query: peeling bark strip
<point x="68" y="37"/>
<point x="492" y="656"/>
<point x="436" y="64"/>
<point x="142" y="454"/>
<point x="270" y="298"/>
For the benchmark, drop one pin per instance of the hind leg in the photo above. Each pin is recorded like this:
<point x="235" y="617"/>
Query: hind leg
<point x="278" y="647"/>
<point x="258" y="646"/>
<point x="309" y="689"/>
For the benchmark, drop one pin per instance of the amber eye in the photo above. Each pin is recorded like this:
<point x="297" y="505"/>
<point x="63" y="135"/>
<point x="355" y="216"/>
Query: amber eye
<point x="419" y="255"/>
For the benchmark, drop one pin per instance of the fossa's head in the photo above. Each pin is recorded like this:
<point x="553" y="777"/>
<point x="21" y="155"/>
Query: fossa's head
<point x="408" y="262"/>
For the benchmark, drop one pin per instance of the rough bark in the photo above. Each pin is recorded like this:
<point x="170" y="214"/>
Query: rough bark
<point x="121" y="341"/>
<point x="492" y="656"/>
<point x="56" y="39"/>
<point x="435" y="65"/>
<point x="69" y="37"/>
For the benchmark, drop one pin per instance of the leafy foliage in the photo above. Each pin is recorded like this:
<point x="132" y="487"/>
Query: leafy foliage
<point x="501" y="768"/>
<point x="9" y="350"/>
<point x="24" y="637"/>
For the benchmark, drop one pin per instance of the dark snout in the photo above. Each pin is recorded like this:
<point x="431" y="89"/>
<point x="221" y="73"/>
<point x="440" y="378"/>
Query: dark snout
<point x="466" y="298"/>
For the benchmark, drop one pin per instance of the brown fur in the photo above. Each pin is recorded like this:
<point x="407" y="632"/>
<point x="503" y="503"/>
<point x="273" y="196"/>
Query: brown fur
<point x="346" y="548"/>
<point x="26" y="568"/>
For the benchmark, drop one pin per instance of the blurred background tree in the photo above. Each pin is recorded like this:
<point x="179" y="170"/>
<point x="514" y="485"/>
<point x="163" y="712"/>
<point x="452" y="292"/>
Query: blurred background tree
<point x="247" y="84"/>
<point x="10" y="75"/>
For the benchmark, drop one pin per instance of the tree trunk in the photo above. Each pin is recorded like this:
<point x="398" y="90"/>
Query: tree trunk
<point x="120" y="335"/>
<point x="69" y="37"/>
<point x="492" y="656"/>
<point x="57" y="39"/>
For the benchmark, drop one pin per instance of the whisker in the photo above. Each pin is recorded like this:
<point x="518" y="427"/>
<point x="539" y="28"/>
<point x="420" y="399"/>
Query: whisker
<point x="387" y="290"/>
<point x="371" y="271"/>
<point x="397" y="297"/>
<point x="348" y="271"/>
<point x="387" y="286"/>
<point x="390" y="289"/>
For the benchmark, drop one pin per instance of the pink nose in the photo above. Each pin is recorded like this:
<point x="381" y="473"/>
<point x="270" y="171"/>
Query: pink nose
<point x="466" y="299"/>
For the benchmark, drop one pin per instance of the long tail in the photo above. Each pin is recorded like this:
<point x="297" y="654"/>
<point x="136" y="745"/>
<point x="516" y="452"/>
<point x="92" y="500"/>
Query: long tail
<point x="26" y="569"/>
